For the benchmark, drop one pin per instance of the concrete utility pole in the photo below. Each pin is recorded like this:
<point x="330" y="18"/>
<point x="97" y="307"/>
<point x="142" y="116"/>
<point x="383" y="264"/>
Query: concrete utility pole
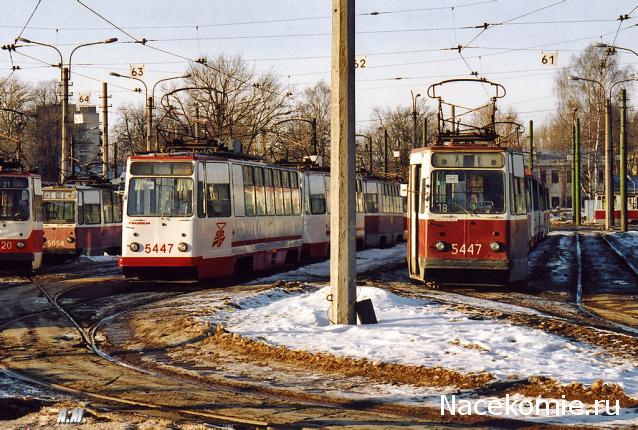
<point x="105" y="132"/>
<point x="342" y="166"/>
<point x="531" y="146"/>
<point x="385" y="151"/>
<point x="64" y="124"/>
<point x="609" y="169"/>
<point x="576" y="181"/>
<point x="623" y="160"/>
<point x="149" y="123"/>
<point x="414" y="119"/>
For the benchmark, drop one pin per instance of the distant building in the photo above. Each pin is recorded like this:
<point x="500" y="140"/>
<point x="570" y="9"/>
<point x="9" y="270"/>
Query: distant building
<point x="554" y="170"/>
<point x="86" y="141"/>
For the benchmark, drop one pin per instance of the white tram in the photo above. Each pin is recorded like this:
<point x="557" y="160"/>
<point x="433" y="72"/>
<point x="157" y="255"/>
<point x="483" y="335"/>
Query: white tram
<point x="20" y="217"/>
<point x="205" y="216"/>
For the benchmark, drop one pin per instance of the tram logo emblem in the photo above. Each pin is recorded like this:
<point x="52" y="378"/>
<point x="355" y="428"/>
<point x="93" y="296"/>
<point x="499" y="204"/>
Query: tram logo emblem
<point x="220" y="235"/>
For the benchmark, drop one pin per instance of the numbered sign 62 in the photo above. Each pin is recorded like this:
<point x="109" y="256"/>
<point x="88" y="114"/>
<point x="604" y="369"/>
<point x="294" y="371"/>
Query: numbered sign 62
<point x="361" y="62"/>
<point x="137" y="70"/>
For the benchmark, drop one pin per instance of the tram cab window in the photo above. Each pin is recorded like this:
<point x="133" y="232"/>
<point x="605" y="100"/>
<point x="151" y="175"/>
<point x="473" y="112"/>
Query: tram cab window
<point x="117" y="207"/>
<point x="467" y="191"/>
<point x="160" y="197"/>
<point x="518" y="196"/>
<point x="217" y="190"/>
<point x="14" y="205"/>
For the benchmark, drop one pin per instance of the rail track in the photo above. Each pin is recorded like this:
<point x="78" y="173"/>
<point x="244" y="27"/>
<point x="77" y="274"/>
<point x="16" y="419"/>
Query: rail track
<point x="613" y="259"/>
<point x="89" y="342"/>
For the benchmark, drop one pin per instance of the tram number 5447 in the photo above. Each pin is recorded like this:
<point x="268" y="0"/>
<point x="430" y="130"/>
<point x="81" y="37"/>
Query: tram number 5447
<point x="472" y="248"/>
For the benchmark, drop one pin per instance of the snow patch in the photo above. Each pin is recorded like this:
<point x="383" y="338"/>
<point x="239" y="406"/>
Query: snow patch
<point x="422" y="333"/>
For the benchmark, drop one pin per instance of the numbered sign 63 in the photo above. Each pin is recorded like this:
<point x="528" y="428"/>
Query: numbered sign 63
<point x="137" y="70"/>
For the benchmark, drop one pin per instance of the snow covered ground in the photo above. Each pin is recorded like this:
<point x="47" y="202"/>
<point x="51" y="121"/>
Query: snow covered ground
<point x="422" y="333"/>
<point x="367" y="260"/>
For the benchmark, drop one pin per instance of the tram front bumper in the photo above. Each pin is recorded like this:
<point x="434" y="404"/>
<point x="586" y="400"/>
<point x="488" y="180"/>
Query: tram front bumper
<point x="27" y="256"/>
<point x="441" y="263"/>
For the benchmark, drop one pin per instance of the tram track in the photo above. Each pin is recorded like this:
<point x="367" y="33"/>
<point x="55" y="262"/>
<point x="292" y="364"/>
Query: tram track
<point x="89" y="342"/>
<point x="200" y="388"/>
<point x="587" y="284"/>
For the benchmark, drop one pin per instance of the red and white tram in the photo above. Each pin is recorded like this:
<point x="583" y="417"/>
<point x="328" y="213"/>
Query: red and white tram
<point x="82" y="219"/>
<point x="20" y="217"/>
<point x="473" y="213"/>
<point x="190" y="215"/>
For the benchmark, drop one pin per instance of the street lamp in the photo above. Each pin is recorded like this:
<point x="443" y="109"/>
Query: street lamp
<point x="414" y="115"/>
<point x="65" y="75"/>
<point x="613" y="47"/>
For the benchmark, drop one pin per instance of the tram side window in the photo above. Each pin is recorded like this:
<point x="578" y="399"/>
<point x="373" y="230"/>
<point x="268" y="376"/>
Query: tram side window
<point x="296" y="197"/>
<point x="359" y="197"/>
<point x="285" y="184"/>
<point x="518" y="196"/>
<point x="249" y="190"/>
<point x="117" y="207"/>
<point x="217" y="190"/>
<point x="270" y="192"/>
<point x="107" y="207"/>
<point x="201" y="185"/>
<point x="279" y="192"/>
<point x="37" y="208"/>
<point x="91" y="207"/>
<point x="535" y="195"/>
<point x="260" y="193"/>
<point x="372" y="199"/>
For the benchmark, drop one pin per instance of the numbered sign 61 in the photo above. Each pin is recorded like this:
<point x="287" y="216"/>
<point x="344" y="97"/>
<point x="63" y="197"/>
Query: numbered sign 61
<point x="137" y="70"/>
<point x="549" y="58"/>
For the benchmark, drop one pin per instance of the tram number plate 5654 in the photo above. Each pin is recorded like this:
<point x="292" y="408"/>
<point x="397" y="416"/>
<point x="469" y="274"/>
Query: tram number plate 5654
<point x="158" y="248"/>
<point x="472" y="248"/>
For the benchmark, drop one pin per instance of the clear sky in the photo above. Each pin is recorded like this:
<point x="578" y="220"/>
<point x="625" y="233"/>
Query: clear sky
<point x="407" y="39"/>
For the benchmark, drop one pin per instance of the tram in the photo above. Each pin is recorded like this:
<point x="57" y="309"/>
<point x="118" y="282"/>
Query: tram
<point x="20" y="216"/>
<point x="384" y="213"/>
<point x="473" y="213"/>
<point x="190" y="213"/>
<point x="82" y="219"/>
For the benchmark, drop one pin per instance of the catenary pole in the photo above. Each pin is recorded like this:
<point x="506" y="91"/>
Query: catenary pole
<point x="576" y="200"/>
<point x="623" y="160"/>
<point x="105" y="131"/>
<point x="342" y="166"/>
<point x="609" y="169"/>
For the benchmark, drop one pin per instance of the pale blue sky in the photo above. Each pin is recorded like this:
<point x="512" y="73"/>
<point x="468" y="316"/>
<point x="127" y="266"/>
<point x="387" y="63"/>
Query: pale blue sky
<point x="403" y="44"/>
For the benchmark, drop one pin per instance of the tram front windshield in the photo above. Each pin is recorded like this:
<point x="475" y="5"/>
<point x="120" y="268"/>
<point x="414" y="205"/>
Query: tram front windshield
<point x="467" y="191"/>
<point x="160" y="197"/>
<point x="14" y="205"/>
<point x="59" y="211"/>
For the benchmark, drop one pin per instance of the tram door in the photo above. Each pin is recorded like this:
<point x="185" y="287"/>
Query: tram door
<point x="414" y="191"/>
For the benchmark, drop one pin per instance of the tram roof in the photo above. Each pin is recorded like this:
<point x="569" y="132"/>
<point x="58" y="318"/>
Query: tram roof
<point x="465" y="148"/>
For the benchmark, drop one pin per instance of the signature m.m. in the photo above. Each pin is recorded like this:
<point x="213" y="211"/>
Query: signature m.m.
<point x="71" y="416"/>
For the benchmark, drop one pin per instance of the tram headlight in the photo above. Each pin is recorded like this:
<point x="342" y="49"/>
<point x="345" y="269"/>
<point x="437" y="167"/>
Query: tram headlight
<point x="183" y="247"/>
<point x="496" y="246"/>
<point x="20" y="244"/>
<point x="134" y="246"/>
<point x="440" y="246"/>
<point x="70" y="239"/>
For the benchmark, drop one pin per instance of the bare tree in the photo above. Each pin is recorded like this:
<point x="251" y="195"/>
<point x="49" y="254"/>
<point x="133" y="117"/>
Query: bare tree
<point x="129" y="132"/>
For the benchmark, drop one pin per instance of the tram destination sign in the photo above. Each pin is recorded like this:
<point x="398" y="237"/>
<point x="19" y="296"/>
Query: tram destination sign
<point x="14" y="183"/>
